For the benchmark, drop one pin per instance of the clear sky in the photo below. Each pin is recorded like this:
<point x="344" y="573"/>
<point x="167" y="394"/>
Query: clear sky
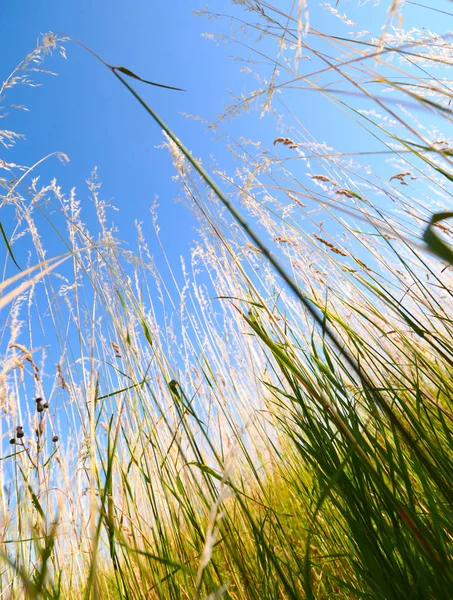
<point x="85" y="112"/>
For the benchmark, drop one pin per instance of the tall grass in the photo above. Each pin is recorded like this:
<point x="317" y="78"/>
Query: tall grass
<point x="241" y="435"/>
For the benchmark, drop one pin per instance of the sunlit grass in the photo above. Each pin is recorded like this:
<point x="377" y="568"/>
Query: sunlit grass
<point x="279" y="424"/>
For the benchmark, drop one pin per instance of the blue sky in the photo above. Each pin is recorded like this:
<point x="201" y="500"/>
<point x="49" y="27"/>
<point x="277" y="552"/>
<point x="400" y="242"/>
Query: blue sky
<point x="85" y="113"/>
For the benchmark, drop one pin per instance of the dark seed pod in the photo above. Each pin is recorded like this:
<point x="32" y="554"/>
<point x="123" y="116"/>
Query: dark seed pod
<point x="55" y="439"/>
<point x="39" y="408"/>
<point x="19" y="432"/>
<point x="12" y="441"/>
<point x="46" y="405"/>
<point x="37" y="400"/>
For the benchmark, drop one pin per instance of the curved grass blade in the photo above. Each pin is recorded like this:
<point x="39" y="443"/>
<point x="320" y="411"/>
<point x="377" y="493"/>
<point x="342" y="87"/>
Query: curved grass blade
<point x="434" y="242"/>
<point x="130" y="73"/>
<point x="10" y="252"/>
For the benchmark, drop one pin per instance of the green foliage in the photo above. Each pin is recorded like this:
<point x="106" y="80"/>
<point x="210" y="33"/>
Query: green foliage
<point x="291" y="437"/>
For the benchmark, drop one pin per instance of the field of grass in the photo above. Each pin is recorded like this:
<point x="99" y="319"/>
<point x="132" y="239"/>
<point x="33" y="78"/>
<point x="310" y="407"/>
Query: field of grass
<point x="280" y="425"/>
